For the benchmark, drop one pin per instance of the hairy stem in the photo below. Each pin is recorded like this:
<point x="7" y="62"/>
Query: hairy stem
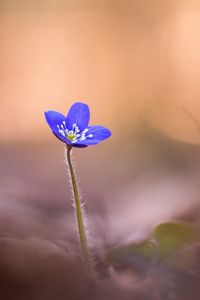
<point x="79" y="214"/>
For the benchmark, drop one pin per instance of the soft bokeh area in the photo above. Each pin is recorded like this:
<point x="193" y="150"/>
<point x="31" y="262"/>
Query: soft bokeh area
<point x="136" y="64"/>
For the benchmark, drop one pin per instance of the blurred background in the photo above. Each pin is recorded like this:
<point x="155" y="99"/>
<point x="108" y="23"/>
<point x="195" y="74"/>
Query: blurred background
<point x="136" y="64"/>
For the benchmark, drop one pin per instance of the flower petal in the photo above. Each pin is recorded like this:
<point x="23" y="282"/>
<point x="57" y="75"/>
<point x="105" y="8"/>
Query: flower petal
<point x="53" y="119"/>
<point x="78" y="114"/>
<point x="99" y="133"/>
<point x="78" y="145"/>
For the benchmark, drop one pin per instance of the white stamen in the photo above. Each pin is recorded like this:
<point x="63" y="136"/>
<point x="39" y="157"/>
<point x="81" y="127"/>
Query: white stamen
<point x="75" y="128"/>
<point x="62" y="132"/>
<point x="85" y="131"/>
<point x="82" y="138"/>
<point x="75" y="134"/>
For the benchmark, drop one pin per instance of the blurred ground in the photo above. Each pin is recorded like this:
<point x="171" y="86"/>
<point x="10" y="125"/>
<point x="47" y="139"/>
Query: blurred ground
<point x="127" y="192"/>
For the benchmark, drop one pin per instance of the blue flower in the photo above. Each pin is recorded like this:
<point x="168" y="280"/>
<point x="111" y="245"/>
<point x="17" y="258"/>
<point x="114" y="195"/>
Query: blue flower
<point x="73" y="129"/>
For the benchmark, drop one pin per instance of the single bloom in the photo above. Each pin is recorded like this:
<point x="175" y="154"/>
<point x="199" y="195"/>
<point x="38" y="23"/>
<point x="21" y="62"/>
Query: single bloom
<point x="73" y="129"/>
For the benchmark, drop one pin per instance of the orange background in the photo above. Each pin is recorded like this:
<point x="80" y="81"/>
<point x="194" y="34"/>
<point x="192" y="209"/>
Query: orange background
<point x="129" y="60"/>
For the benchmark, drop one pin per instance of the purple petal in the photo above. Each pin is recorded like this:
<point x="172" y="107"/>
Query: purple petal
<point x="78" y="114"/>
<point x="53" y="119"/>
<point x="99" y="133"/>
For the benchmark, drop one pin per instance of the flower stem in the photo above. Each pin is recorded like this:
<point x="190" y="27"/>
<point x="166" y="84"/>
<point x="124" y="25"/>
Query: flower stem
<point x="79" y="214"/>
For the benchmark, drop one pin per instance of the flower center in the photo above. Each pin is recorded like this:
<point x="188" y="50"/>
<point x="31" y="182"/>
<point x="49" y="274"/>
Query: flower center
<point x="73" y="135"/>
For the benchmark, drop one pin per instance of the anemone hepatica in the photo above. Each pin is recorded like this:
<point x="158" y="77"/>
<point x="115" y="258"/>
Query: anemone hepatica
<point x="73" y="129"/>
